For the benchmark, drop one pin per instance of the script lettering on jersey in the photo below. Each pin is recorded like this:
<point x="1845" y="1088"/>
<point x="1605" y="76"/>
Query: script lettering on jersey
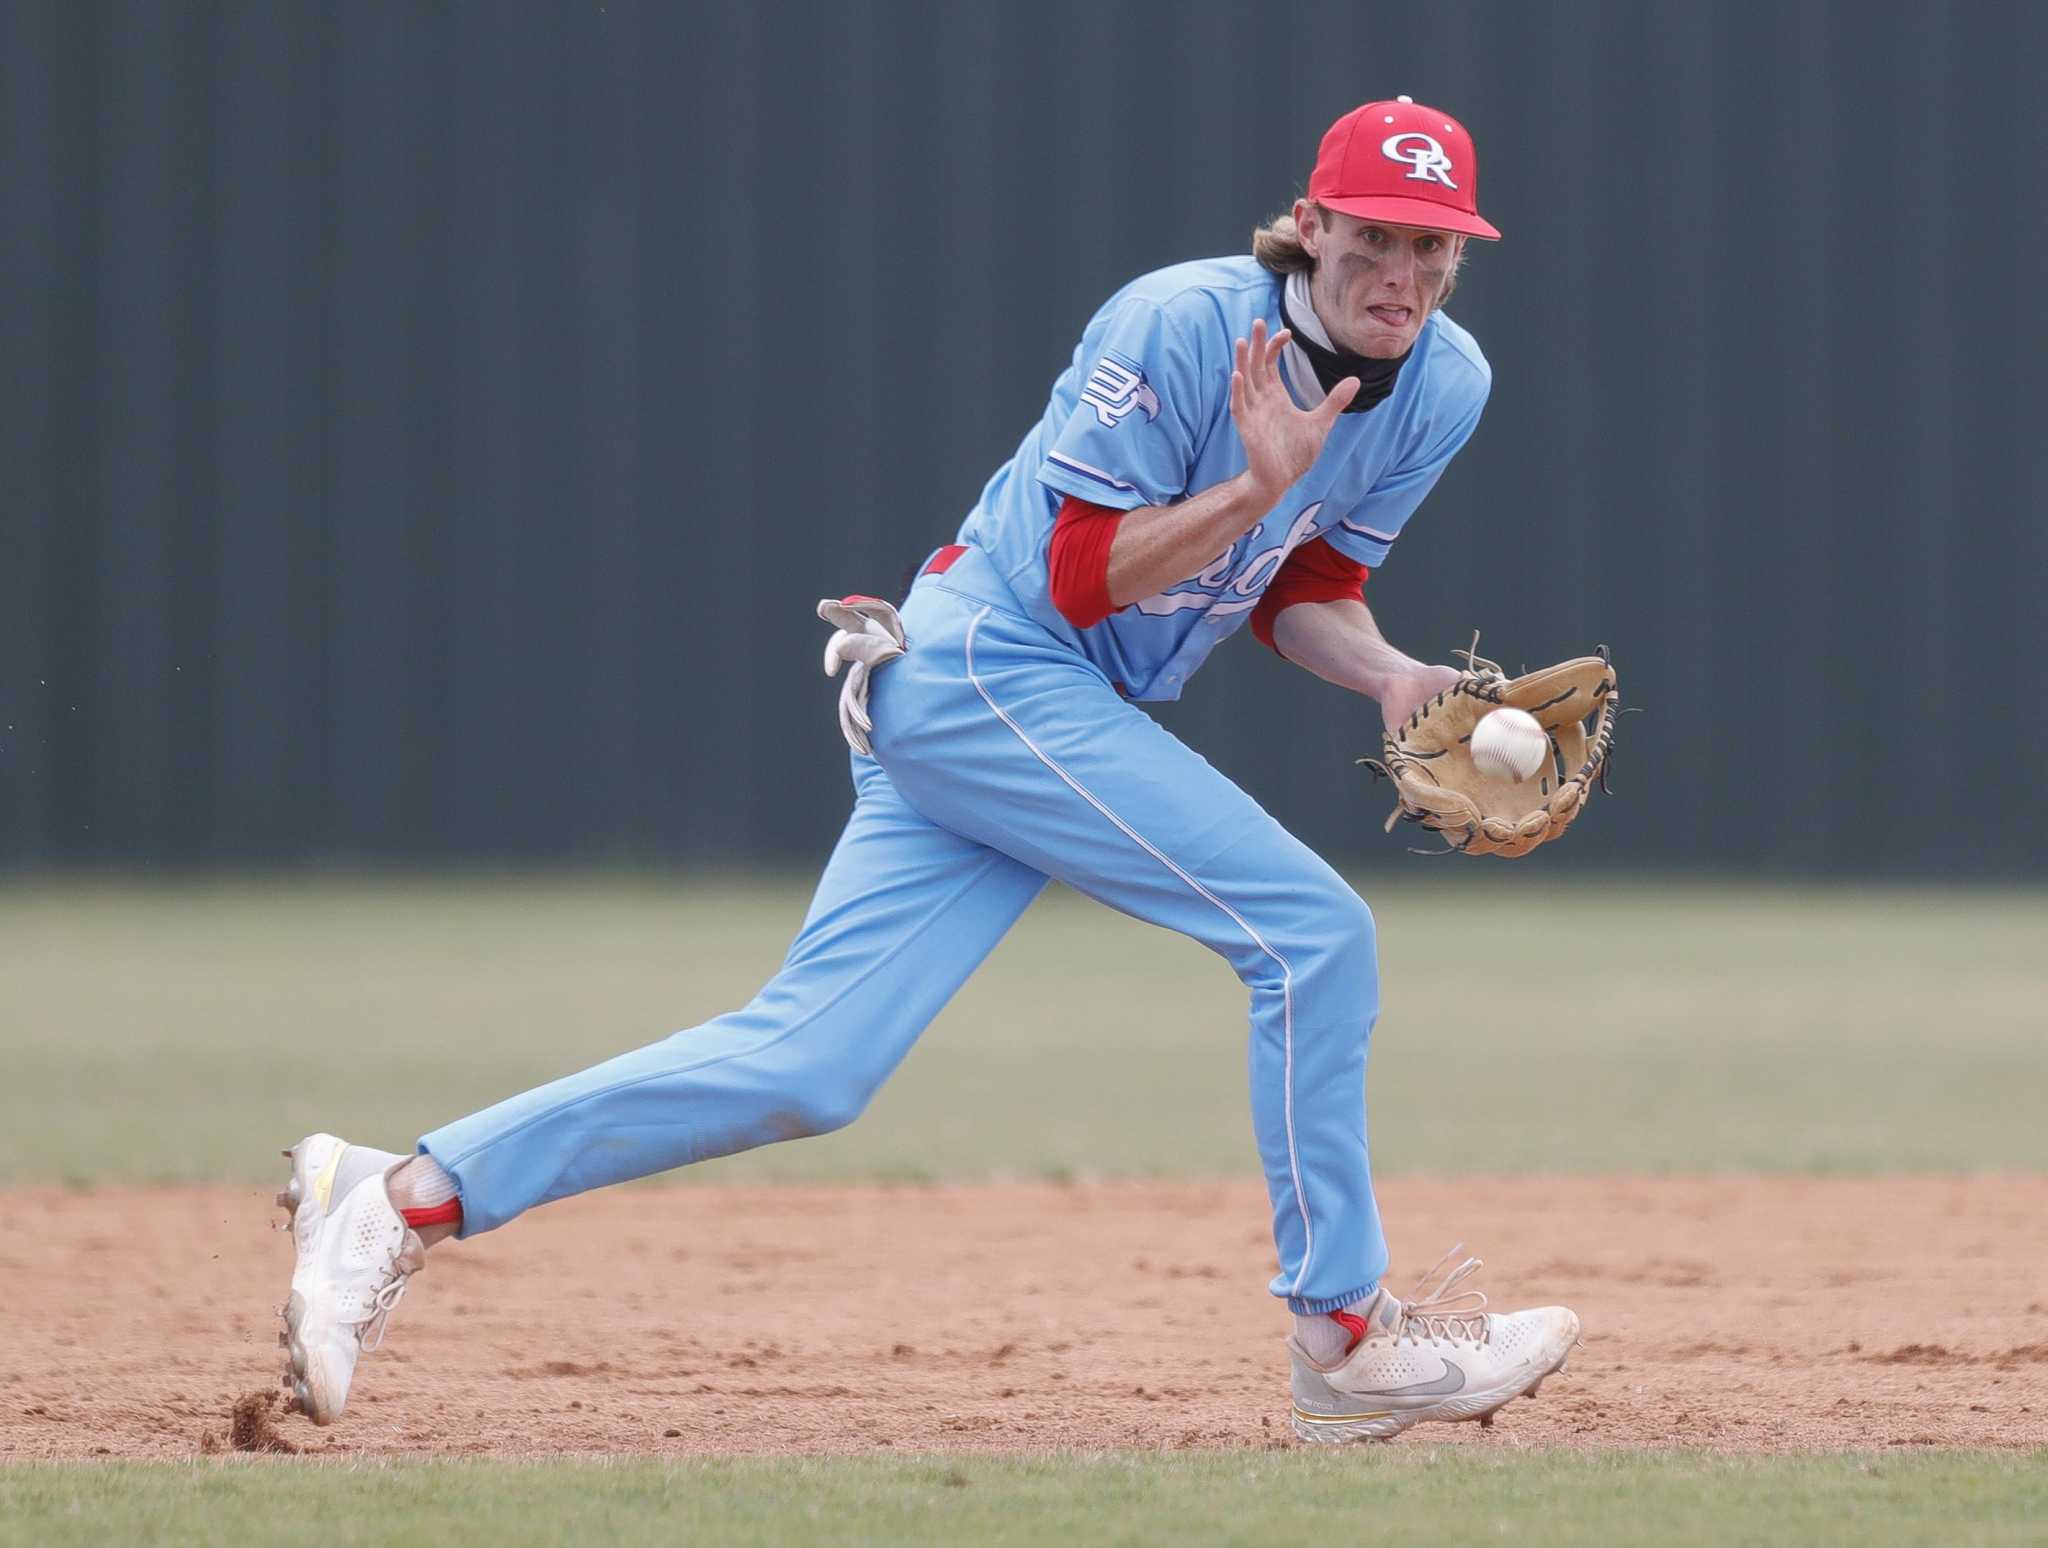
<point x="1115" y="387"/>
<point x="1421" y="152"/>
<point x="1228" y="584"/>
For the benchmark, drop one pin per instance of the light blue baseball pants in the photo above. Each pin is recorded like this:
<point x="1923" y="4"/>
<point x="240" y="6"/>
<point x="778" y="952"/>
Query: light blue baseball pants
<point x="1001" y="758"/>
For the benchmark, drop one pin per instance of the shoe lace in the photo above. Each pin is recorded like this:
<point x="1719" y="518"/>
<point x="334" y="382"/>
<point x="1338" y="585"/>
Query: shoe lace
<point x="387" y="1296"/>
<point x="1437" y="1309"/>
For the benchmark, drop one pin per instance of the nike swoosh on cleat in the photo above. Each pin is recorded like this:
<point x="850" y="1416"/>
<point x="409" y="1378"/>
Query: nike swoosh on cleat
<point x="1452" y="1380"/>
<point x="323" y="1185"/>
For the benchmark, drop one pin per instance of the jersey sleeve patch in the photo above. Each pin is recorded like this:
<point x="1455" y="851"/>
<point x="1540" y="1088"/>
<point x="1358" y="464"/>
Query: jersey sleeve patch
<point x="1129" y="439"/>
<point x="1117" y="387"/>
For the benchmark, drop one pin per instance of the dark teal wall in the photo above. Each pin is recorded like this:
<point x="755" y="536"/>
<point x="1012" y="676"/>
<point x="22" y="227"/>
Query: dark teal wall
<point x="425" y="427"/>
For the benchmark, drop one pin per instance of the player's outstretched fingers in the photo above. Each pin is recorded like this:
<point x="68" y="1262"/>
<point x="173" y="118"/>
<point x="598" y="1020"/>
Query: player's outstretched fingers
<point x="1274" y="350"/>
<point x="1338" y="401"/>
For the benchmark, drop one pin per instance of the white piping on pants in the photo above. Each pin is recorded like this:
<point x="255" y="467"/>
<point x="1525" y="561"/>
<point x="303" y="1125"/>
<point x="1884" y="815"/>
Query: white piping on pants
<point x="1286" y="971"/>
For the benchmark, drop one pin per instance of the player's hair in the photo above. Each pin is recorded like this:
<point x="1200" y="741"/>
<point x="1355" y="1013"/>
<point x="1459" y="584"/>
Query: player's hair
<point x="1277" y="246"/>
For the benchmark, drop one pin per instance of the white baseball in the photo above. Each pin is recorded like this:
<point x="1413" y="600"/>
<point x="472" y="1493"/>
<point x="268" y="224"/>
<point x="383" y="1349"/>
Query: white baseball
<point x="1509" y="744"/>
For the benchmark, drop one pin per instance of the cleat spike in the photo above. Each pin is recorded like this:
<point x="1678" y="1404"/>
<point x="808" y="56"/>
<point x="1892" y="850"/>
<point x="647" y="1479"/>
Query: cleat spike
<point x="1486" y="1420"/>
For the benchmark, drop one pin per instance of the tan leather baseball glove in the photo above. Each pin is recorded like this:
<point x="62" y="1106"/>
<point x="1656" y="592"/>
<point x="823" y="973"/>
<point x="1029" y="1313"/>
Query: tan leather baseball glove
<point x="1429" y="759"/>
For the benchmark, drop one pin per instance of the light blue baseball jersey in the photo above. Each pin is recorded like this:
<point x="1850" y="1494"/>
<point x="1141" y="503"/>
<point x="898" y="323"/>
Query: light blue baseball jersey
<point x="1142" y="417"/>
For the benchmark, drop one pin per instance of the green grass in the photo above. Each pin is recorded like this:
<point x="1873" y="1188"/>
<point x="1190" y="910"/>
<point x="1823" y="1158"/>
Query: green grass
<point x="1396" y="1495"/>
<point x="185" y="1031"/>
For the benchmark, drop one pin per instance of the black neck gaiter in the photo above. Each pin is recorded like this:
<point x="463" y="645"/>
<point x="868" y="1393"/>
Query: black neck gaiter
<point x="1375" y="377"/>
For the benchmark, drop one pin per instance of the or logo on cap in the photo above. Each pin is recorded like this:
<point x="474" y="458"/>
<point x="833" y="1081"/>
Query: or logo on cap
<point x="1422" y="153"/>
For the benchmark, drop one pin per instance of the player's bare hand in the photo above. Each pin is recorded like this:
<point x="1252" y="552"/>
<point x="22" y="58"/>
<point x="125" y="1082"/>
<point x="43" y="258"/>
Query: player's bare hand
<point x="1281" y="442"/>
<point x="1405" y="694"/>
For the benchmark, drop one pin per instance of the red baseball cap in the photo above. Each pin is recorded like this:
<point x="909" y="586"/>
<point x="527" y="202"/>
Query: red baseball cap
<point x="1403" y="163"/>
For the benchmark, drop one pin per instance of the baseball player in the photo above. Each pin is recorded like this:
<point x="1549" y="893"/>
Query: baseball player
<point x="1238" y="441"/>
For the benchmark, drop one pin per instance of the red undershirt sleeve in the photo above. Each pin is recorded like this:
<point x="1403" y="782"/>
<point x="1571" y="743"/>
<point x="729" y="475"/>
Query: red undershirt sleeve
<point x="1079" y="561"/>
<point x="1314" y="572"/>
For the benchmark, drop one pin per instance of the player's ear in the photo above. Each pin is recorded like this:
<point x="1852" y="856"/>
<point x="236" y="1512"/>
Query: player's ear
<point x="1308" y="227"/>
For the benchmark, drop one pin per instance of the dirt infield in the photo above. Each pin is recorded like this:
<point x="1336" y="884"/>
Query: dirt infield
<point x="1738" y="1314"/>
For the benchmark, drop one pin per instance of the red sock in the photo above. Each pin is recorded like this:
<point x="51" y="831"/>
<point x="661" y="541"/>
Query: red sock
<point x="1353" y="1324"/>
<point x="449" y="1213"/>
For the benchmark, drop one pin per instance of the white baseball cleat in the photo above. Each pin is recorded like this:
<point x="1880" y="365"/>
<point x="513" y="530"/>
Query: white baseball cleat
<point x="355" y="1253"/>
<point x="1438" y="1356"/>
